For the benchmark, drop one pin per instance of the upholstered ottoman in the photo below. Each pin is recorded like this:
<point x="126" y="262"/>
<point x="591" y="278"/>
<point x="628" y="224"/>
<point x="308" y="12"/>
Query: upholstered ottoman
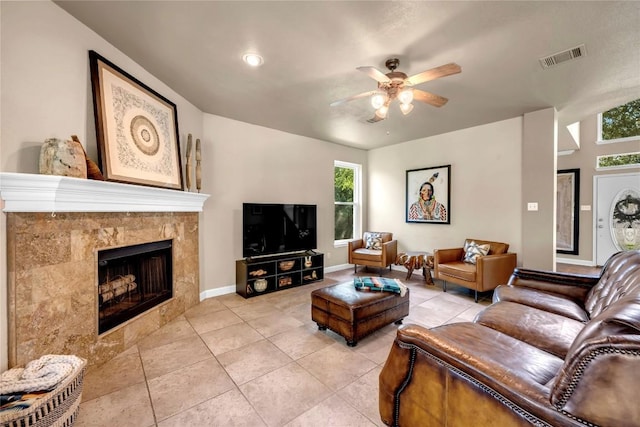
<point x="355" y="314"/>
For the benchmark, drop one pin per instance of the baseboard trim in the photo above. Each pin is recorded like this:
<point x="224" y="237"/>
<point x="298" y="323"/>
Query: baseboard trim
<point x="335" y="268"/>
<point x="210" y="293"/>
<point x="583" y="262"/>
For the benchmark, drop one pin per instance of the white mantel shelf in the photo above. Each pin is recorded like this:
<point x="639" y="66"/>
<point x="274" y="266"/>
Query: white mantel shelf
<point x="22" y="192"/>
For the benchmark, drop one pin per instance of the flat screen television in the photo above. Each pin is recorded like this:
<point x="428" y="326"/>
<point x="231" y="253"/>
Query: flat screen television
<point x="272" y="228"/>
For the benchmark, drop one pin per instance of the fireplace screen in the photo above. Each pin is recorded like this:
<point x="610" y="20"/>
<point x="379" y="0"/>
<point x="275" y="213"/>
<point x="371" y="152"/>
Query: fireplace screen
<point x="131" y="280"/>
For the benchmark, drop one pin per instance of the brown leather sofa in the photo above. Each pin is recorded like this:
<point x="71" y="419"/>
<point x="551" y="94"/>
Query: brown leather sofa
<point x="489" y="271"/>
<point x="552" y="350"/>
<point x="364" y="252"/>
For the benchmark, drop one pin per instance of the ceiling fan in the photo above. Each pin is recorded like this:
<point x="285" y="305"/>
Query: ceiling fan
<point x="396" y="85"/>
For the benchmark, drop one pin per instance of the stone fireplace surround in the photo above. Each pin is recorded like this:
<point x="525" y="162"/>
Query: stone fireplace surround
<point x="55" y="227"/>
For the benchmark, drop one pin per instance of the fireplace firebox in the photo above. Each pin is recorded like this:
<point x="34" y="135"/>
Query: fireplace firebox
<point x="132" y="280"/>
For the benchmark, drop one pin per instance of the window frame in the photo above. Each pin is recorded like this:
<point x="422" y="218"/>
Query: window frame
<point x="357" y="200"/>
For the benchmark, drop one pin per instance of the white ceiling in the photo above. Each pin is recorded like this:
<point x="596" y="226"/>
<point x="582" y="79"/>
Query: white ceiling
<point x="312" y="49"/>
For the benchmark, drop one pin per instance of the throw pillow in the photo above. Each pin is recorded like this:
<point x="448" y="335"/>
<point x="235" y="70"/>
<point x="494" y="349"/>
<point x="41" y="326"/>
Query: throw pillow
<point x="373" y="241"/>
<point x="472" y="251"/>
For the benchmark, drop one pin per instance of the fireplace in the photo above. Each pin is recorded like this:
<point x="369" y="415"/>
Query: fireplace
<point x="132" y="280"/>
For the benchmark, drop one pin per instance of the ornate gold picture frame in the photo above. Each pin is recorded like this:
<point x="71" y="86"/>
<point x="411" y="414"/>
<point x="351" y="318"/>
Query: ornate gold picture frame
<point x="137" y="129"/>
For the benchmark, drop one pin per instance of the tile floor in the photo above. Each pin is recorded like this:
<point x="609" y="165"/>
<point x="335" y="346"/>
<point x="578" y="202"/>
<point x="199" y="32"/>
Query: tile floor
<point x="231" y="361"/>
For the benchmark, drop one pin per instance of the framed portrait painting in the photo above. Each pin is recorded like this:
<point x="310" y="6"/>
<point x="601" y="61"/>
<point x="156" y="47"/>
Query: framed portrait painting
<point x="567" y="211"/>
<point x="428" y="196"/>
<point x="137" y="129"/>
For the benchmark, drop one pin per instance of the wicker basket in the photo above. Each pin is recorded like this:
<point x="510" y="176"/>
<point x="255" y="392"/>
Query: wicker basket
<point x="58" y="408"/>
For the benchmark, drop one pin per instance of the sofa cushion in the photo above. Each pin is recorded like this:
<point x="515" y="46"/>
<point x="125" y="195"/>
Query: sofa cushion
<point x="542" y="300"/>
<point x="473" y="250"/>
<point x="372" y="240"/>
<point x="458" y="269"/>
<point x="550" y="332"/>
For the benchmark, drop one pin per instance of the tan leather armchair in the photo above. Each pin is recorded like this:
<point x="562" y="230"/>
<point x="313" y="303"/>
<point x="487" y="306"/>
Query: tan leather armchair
<point x="375" y="249"/>
<point x="490" y="270"/>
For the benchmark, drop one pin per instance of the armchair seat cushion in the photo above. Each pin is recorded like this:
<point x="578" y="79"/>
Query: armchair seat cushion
<point x="371" y="255"/>
<point x="460" y="270"/>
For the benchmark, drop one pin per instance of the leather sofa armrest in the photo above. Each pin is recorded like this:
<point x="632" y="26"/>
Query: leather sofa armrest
<point x="574" y="286"/>
<point x="441" y="256"/>
<point x="389" y="252"/>
<point x="495" y="270"/>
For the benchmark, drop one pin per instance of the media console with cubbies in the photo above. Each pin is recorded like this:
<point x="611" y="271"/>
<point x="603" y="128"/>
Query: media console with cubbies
<point x="258" y="276"/>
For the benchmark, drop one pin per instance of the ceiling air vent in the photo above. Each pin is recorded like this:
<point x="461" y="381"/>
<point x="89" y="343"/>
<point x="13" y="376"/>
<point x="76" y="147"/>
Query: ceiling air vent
<point x="565" y="55"/>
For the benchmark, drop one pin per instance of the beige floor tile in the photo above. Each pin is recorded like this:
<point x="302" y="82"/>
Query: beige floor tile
<point x="161" y="360"/>
<point x="283" y="394"/>
<point x="228" y="409"/>
<point x="120" y="372"/>
<point x="273" y="324"/>
<point x="127" y="407"/>
<point x="298" y="376"/>
<point x="230" y="338"/>
<point x="187" y="387"/>
<point x="336" y="365"/>
<point x="256" y="310"/>
<point x="300" y="341"/>
<point x="252" y="361"/>
<point x="175" y="330"/>
<point x="367" y="385"/>
<point x="334" y="412"/>
<point x="376" y="347"/>
<point x="209" y="305"/>
<point x="213" y="321"/>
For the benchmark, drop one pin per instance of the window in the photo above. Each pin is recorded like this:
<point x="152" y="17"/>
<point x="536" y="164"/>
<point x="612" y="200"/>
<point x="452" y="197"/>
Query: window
<point x="620" y="124"/>
<point x="347" y="186"/>
<point x="618" y="161"/>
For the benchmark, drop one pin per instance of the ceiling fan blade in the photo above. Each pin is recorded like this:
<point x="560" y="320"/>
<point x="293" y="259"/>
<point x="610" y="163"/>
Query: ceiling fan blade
<point x="429" y="98"/>
<point x="375" y="74"/>
<point x="351" y="98"/>
<point x="375" y="118"/>
<point x="434" y="73"/>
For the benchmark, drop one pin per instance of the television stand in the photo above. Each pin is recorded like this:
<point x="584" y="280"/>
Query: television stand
<point x="258" y="276"/>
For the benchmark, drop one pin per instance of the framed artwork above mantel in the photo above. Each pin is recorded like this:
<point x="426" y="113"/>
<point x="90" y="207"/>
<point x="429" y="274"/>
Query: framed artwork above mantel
<point x="137" y="128"/>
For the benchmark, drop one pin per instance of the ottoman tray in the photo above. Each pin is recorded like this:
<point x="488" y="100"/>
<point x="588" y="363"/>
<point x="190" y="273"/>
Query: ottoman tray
<point x="355" y="314"/>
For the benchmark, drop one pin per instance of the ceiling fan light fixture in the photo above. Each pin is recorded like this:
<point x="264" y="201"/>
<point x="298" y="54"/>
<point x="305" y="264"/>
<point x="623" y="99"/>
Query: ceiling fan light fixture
<point x="406" y="96"/>
<point x="378" y="100"/>
<point x="382" y="111"/>
<point x="253" y="59"/>
<point x="406" y="108"/>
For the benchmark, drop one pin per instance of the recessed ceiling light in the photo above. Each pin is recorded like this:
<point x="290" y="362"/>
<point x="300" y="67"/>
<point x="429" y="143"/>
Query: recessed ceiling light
<point x="253" y="59"/>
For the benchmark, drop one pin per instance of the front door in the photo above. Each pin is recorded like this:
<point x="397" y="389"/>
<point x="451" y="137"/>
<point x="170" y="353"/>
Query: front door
<point x="617" y="214"/>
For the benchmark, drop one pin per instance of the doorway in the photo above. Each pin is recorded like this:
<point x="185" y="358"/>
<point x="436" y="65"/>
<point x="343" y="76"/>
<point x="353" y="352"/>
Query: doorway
<point x="617" y="215"/>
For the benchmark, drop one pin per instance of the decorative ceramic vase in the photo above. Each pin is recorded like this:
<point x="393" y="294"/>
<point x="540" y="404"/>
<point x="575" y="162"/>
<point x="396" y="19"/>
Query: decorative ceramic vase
<point x="65" y="158"/>
<point x="260" y="285"/>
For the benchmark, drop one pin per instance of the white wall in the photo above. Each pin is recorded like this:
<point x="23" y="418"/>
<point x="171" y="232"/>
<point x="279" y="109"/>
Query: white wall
<point x="248" y="163"/>
<point x="485" y="186"/>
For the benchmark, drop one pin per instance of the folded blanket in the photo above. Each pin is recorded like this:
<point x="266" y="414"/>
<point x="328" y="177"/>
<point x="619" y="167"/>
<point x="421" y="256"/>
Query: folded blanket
<point x="380" y="284"/>
<point x="41" y="374"/>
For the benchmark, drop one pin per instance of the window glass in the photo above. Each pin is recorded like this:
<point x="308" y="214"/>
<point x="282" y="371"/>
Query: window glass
<point x="623" y="160"/>
<point x="620" y="123"/>
<point x="346" y="201"/>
